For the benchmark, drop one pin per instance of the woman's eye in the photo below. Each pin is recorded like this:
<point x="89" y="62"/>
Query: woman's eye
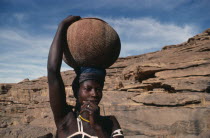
<point x="98" y="90"/>
<point x="88" y="89"/>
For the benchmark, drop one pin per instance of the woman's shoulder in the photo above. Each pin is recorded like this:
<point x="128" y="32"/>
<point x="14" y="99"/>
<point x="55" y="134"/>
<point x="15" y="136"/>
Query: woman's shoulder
<point x="112" y="126"/>
<point x="111" y="118"/>
<point x="111" y="121"/>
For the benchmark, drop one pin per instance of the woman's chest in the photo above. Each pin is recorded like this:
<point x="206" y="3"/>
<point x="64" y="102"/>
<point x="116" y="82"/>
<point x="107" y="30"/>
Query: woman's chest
<point x="76" y="129"/>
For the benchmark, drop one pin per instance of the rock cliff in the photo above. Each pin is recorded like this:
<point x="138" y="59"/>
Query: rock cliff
<point x="160" y="94"/>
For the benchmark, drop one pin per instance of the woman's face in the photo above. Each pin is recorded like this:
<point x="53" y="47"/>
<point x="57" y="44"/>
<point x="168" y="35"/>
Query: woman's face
<point x="90" y="90"/>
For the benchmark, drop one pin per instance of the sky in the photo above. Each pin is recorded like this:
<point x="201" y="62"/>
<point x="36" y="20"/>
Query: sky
<point x="27" y="28"/>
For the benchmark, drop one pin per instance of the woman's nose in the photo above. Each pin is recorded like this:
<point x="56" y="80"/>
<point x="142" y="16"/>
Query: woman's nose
<point x="93" y="92"/>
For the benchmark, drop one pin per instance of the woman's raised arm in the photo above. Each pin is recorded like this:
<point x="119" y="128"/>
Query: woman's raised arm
<point x="55" y="82"/>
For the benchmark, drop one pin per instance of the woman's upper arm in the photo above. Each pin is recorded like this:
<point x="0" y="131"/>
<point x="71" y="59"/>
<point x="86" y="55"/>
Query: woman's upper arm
<point x="57" y="96"/>
<point x="116" y="129"/>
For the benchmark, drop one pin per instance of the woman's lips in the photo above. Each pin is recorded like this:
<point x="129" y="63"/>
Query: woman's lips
<point x="93" y="101"/>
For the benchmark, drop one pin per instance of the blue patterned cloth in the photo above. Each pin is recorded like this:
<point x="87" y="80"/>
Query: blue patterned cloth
<point x="87" y="73"/>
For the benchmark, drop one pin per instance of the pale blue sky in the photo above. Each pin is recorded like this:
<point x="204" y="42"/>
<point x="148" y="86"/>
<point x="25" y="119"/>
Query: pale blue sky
<point x="27" y="28"/>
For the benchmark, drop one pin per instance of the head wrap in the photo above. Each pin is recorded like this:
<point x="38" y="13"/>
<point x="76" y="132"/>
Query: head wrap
<point x="87" y="73"/>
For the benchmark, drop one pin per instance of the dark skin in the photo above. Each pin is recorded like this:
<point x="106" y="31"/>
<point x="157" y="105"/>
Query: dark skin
<point x="89" y="95"/>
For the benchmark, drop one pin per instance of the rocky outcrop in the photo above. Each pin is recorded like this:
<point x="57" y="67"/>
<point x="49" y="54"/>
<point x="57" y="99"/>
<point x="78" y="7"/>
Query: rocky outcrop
<point x="4" y="88"/>
<point x="160" y="94"/>
<point x="166" y="99"/>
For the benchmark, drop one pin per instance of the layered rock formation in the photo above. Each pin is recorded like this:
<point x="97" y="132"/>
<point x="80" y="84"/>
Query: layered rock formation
<point x="160" y="94"/>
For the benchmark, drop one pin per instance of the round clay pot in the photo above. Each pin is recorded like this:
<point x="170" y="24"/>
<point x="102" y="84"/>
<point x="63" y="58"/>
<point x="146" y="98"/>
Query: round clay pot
<point x="91" y="43"/>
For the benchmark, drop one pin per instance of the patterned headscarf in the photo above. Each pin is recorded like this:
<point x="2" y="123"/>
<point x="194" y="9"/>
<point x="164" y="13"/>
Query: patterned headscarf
<point x="87" y="73"/>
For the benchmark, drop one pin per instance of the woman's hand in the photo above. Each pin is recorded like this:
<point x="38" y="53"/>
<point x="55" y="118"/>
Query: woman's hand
<point x="59" y="41"/>
<point x="93" y="112"/>
<point x="67" y="22"/>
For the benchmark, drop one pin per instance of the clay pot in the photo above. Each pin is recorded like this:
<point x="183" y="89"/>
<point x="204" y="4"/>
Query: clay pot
<point x="91" y="43"/>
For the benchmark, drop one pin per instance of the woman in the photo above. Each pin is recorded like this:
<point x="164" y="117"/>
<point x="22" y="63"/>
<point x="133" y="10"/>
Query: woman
<point x="84" y="120"/>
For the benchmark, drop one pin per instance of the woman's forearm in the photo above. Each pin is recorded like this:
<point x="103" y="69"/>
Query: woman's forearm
<point x="56" y="50"/>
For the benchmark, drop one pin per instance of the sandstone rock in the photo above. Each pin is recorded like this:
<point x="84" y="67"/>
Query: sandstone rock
<point x="165" y="99"/>
<point x="25" y="80"/>
<point x="164" y="122"/>
<point x="145" y="87"/>
<point x="26" y="131"/>
<point x="4" y="88"/>
<point x="159" y="94"/>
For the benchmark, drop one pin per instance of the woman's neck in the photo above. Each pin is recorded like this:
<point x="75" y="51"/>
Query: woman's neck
<point x="85" y="115"/>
